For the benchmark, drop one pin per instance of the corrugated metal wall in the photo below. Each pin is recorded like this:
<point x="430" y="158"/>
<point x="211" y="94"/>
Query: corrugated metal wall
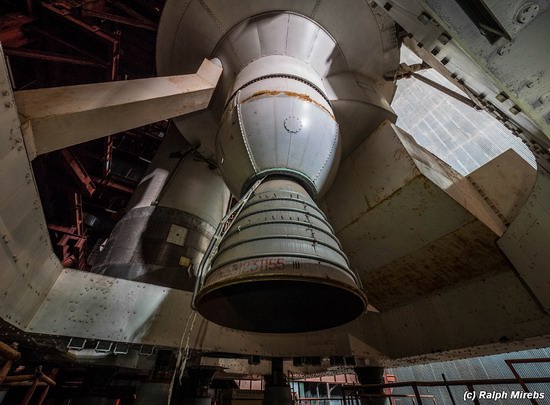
<point x="459" y="135"/>
<point x="474" y="369"/>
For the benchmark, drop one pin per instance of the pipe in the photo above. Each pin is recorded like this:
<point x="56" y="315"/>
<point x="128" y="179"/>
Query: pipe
<point x="30" y="392"/>
<point x="44" y="378"/>
<point x="43" y="395"/>
<point x="8" y="352"/>
<point x="20" y="378"/>
<point x="5" y="370"/>
<point x="28" y="377"/>
<point x="23" y="384"/>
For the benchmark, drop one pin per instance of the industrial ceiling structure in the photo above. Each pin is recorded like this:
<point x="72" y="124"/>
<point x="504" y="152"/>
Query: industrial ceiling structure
<point x="217" y="189"/>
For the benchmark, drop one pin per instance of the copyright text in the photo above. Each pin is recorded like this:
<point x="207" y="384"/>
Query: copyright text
<point x="499" y="395"/>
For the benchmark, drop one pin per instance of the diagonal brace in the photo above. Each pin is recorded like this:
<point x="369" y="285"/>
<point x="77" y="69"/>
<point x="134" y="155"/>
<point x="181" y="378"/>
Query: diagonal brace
<point x="56" y="118"/>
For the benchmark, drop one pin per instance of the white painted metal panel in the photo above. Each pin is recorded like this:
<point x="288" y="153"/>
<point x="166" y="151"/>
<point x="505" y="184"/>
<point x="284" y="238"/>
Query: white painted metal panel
<point x="325" y="56"/>
<point x="28" y="267"/>
<point x="413" y="217"/>
<point x="359" y="107"/>
<point x="492" y="314"/>
<point x="409" y="223"/>
<point x="527" y="241"/>
<point x="83" y="305"/>
<point x="58" y="117"/>
<point x="505" y="182"/>
<point x="353" y="24"/>
<point x="298" y="28"/>
<point x="193" y="29"/>
<point x="273" y="34"/>
<point x="383" y="165"/>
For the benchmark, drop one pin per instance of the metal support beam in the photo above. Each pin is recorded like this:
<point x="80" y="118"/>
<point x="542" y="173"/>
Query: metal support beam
<point x="510" y="364"/>
<point x="407" y="71"/>
<point x="70" y="230"/>
<point x="56" y="118"/>
<point x="30" y="9"/>
<point x="63" y="10"/>
<point x="78" y="172"/>
<point x="13" y="32"/>
<point x="51" y="57"/>
<point x="71" y="250"/>
<point x="23" y="384"/>
<point x="113" y="185"/>
<point x="6" y="367"/>
<point x="119" y="19"/>
<point x="107" y="159"/>
<point x="417" y="395"/>
<point x="446" y="90"/>
<point x="78" y="216"/>
<point x="131" y="12"/>
<point x="9" y="353"/>
<point x="71" y="245"/>
<point x="448" y="389"/>
<point x="53" y="38"/>
<point x="43" y="395"/>
<point x="30" y="392"/>
<point x="65" y="13"/>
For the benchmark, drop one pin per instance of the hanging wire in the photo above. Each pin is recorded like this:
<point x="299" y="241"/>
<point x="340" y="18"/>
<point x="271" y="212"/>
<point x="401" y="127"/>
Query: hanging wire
<point x="182" y="359"/>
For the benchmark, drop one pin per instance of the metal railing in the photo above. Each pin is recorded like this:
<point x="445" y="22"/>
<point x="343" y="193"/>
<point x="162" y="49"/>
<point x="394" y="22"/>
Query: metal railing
<point x="353" y="394"/>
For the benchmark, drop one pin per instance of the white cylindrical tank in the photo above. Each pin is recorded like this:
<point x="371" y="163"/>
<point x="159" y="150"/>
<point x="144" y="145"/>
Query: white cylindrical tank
<point x="170" y="219"/>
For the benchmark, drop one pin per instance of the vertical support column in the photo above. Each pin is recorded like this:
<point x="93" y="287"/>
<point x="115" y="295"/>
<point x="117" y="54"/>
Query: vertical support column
<point x="417" y="394"/>
<point x="371" y="375"/>
<point x="277" y="390"/>
<point x="471" y="389"/>
<point x="448" y="389"/>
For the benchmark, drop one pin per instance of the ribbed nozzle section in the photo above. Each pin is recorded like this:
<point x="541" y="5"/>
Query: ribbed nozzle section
<point x="280" y="269"/>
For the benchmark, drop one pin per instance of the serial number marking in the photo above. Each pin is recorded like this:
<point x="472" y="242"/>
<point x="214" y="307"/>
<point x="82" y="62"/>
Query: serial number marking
<point x="254" y="265"/>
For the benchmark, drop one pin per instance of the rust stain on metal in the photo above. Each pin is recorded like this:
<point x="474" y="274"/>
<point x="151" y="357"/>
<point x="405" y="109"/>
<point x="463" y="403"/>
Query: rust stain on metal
<point x="399" y="154"/>
<point x="370" y="207"/>
<point x="465" y="254"/>
<point x="300" y="96"/>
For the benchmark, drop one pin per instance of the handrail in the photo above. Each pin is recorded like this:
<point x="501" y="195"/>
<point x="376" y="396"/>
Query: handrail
<point x="357" y="391"/>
